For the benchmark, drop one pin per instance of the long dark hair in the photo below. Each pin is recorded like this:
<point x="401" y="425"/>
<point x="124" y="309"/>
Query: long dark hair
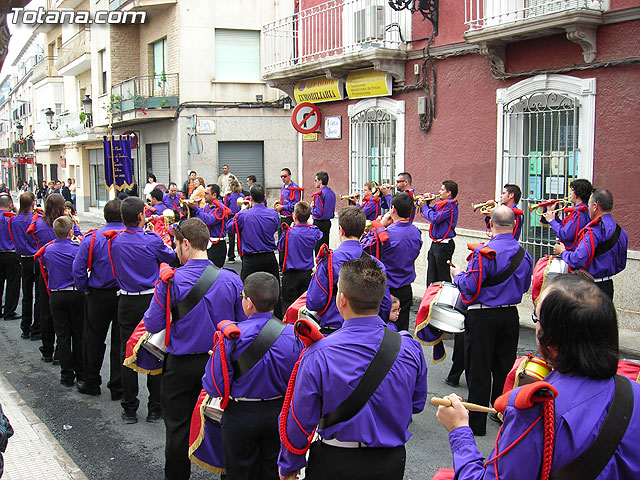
<point x="53" y="208"/>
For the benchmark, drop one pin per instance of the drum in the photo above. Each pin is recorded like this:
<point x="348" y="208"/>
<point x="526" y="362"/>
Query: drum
<point x="532" y="369"/>
<point x="544" y="271"/>
<point x="154" y="344"/>
<point x="212" y="410"/>
<point x="448" y="310"/>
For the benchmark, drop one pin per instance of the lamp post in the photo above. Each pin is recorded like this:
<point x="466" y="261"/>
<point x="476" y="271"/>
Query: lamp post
<point x="87" y="106"/>
<point x="20" y="130"/>
<point x="49" y="115"/>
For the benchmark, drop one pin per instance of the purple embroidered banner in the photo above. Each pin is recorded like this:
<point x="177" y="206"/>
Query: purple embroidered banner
<point x="119" y="162"/>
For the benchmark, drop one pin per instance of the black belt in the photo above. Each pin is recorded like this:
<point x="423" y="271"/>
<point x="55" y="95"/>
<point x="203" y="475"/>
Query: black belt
<point x="259" y="253"/>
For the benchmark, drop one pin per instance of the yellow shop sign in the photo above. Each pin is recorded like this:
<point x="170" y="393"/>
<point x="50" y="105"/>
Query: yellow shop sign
<point x="319" y="89"/>
<point x="369" y="83"/>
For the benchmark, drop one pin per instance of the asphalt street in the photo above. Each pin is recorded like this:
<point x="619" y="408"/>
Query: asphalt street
<point x="92" y="433"/>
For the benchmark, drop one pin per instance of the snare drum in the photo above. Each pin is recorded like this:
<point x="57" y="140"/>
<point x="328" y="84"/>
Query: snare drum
<point x="212" y="410"/>
<point x="448" y="310"/>
<point x="154" y="344"/>
<point x="544" y="271"/>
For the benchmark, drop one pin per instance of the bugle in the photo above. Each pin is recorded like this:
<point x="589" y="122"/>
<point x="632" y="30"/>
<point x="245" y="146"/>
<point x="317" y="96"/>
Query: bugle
<point x="276" y="203"/>
<point x="425" y="197"/>
<point x="351" y="196"/>
<point x="486" y="207"/>
<point x="243" y="202"/>
<point x="539" y="208"/>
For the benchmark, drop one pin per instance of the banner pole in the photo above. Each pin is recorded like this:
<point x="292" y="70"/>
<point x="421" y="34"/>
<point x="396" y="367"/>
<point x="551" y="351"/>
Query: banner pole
<point x="113" y="161"/>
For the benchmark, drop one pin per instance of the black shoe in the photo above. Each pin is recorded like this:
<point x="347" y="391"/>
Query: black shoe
<point x="494" y="417"/>
<point x="86" y="389"/>
<point x="129" y="418"/>
<point x="36" y="336"/>
<point x="67" y="382"/>
<point x="115" y="396"/>
<point x="451" y="383"/>
<point x="154" y="417"/>
<point x="25" y="336"/>
<point x="12" y="316"/>
<point x="46" y="359"/>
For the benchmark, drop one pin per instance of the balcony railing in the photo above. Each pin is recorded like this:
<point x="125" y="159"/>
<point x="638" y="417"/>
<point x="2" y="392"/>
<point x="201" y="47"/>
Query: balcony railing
<point x="145" y="91"/>
<point x="71" y="124"/>
<point x="74" y="48"/>
<point x="46" y="68"/>
<point x="481" y="14"/>
<point x="334" y="28"/>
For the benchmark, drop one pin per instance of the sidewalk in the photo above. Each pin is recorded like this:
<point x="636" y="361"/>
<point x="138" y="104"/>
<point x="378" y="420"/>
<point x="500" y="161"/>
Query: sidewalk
<point x="32" y="452"/>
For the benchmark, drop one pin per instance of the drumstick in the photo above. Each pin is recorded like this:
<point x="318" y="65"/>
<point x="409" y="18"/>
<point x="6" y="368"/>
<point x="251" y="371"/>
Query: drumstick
<point x="450" y="264"/>
<point x="472" y="407"/>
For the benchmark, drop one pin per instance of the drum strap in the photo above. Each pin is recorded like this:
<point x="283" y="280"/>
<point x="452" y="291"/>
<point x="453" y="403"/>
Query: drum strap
<point x="609" y="243"/>
<point x="516" y="260"/>
<point x="259" y="347"/>
<point x="197" y="292"/>
<point x="590" y="463"/>
<point x="372" y="378"/>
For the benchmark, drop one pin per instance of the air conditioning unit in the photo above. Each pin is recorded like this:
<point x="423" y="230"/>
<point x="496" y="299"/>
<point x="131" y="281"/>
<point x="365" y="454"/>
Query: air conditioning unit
<point x="369" y="23"/>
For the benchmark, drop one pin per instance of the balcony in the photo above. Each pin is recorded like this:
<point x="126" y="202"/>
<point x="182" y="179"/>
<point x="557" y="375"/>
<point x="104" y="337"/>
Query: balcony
<point x="335" y="37"/>
<point x="150" y="6"/>
<point x="44" y="69"/>
<point x="74" y="57"/>
<point x="494" y="23"/>
<point x="45" y="137"/>
<point x="144" y="97"/>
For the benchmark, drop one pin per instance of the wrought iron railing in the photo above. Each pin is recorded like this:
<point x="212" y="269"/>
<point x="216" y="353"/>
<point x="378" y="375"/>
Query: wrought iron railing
<point x="145" y="91"/>
<point x="481" y="14"/>
<point x="334" y="28"/>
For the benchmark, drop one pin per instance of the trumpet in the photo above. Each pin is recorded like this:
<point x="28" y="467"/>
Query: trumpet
<point x="243" y="203"/>
<point x="539" y="207"/>
<point x="276" y="203"/>
<point x="486" y="207"/>
<point x="351" y="196"/>
<point x="425" y="197"/>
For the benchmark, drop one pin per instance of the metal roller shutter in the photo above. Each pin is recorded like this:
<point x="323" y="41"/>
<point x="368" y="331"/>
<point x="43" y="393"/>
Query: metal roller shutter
<point x="158" y="162"/>
<point x="243" y="158"/>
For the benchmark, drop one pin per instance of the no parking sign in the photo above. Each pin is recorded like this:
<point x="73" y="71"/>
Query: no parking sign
<point x="306" y="117"/>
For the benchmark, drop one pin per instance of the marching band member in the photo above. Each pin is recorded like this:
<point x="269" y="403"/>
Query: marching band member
<point x="157" y="207"/>
<point x="568" y="229"/>
<point x="26" y="248"/>
<point x="321" y="292"/>
<point x="191" y="332"/>
<point x="403" y="184"/>
<point x="323" y="208"/>
<point x="510" y="197"/>
<point x="497" y="276"/>
<point x="443" y="218"/>
<point x="257" y="381"/>
<point x="577" y="333"/>
<point x="370" y="204"/>
<point x="231" y="202"/>
<point x="297" y="244"/>
<point x="135" y="255"/>
<point x="399" y="252"/>
<point x="214" y="214"/>
<point x="66" y="303"/>
<point x="368" y="442"/>
<point x="601" y="248"/>
<point x="251" y="179"/>
<point x="290" y="194"/>
<point x="171" y="199"/>
<point x="93" y="276"/>
<point x="9" y="261"/>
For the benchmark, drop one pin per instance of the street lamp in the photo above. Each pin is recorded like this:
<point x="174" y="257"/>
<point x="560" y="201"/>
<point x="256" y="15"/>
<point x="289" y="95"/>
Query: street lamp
<point x="49" y="115"/>
<point x="19" y="129"/>
<point x="87" y="106"/>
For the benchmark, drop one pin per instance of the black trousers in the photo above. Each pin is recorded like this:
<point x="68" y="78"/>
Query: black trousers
<point x="262" y="262"/>
<point x="288" y="221"/>
<point x="179" y="391"/>
<point x="101" y="311"/>
<point x="324" y="226"/>
<point x="457" y="368"/>
<point x="131" y="308"/>
<point x="231" y="235"/>
<point x="10" y="273"/>
<point x="490" y="341"/>
<point x="217" y="253"/>
<point x="336" y="463"/>
<point x="67" y="310"/>
<point x="405" y="295"/>
<point x="438" y="268"/>
<point x="250" y="439"/>
<point x="30" y="323"/>
<point x="46" y="321"/>
<point x="606" y="287"/>
<point x="294" y="284"/>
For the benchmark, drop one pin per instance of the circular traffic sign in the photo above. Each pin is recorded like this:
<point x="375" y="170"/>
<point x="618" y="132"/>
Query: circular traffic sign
<point x="306" y="117"/>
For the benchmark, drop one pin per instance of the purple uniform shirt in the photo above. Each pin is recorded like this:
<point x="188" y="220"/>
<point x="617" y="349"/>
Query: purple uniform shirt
<point x="568" y="229"/>
<point x="443" y="217"/>
<point x="170" y="202"/>
<point x="43" y="233"/>
<point x="6" y="244"/>
<point x="386" y="203"/>
<point x="214" y="217"/>
<point x="517" y="227"/>
<point x="101" y="275"/>
<point x="24" y="243"/>
<point x="231" y="202"/>
<point x="371" y="207"/>
<point x="317" y="294"/>
<point x="135" y="257"/>
<point x="580" y="409"/>
<point x="57" y="260"/>
<point x="269" y="377"/>
<point x="329" y="372"/>
<point x="508" y="292"/>
<point x="193" y="333"/>
<point x="289" y="196"/>
<point x="607" y="264"/>
<point x="256" y="228"/>
<point x="298" y="243"/>
<point x="324" y="204"/>
<point x="399" y="253"/>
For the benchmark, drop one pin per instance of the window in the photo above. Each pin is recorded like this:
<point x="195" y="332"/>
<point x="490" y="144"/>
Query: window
<point x="160" y="67"/>
<point x="237" y="56"/>
<point x="545" y="141"/>
<point x="103" y="72"/>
